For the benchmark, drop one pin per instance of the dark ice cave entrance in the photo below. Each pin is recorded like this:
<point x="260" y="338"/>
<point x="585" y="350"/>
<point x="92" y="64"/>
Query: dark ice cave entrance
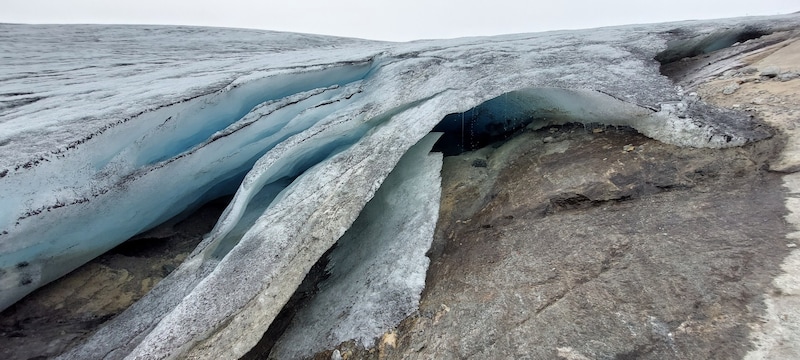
<point x="474" y="129"/>
<point x="704" y="44"/>
<point x="500" y="118"/>
<point x="682" y="55"/>
<point x="495" y="120"/>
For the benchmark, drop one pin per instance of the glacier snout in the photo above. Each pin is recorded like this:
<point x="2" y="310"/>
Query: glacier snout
<point x="319" y="140"/>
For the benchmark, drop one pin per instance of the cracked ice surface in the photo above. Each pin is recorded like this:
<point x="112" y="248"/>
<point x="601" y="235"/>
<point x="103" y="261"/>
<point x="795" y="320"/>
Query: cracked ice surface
<point x="106" y="131"/>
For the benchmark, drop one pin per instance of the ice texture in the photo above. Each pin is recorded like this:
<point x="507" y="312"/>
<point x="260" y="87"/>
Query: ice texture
<point x="108" y="131"/>
<point x="377" y="270"/>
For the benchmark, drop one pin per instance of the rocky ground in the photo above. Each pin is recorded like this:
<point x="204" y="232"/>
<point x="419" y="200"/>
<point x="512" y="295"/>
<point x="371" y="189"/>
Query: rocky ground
<point x="572" y="242"/>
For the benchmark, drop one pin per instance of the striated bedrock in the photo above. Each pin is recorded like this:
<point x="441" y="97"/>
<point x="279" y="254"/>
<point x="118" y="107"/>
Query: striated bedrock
<point x="108" y="131"/>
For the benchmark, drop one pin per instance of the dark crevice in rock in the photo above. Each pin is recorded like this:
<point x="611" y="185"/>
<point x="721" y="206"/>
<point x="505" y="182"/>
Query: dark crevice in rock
<point x="637" y="353"/>
<point x="568" y="201"/>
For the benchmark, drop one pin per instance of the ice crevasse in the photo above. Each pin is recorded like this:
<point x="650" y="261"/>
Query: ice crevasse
<point x="108" y="131"/>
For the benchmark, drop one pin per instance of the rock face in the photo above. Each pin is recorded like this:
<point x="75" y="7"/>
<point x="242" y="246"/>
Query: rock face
<point x="580" y="247"/>
<point x="650" y="229"/>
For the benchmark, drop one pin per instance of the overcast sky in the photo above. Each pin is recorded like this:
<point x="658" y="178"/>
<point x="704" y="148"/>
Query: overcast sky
<point x="398" y="20"/>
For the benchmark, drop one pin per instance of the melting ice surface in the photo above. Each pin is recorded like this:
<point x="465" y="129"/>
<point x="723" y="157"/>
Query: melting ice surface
<point x="107" y="131"/>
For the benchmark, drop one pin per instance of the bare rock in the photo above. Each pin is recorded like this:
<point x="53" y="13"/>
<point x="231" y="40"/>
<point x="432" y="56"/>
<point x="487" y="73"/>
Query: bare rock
<point x="771" y="71"/>
<point x="748" y="70"/>
<point x="786" y="76"/>
<point x="730" y="89"/>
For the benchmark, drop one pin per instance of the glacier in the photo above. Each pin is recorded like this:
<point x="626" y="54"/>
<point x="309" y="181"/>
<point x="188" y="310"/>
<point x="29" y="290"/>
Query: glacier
<point x="108" y="131"/>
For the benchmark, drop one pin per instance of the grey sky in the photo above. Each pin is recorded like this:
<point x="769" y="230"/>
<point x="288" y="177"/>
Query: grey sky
<point x="386" y="20"/>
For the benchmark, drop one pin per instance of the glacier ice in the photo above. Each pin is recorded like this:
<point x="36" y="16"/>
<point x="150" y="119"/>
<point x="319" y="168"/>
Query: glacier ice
<point x="107" y="131"/>
<point x="377" y="270"/>
<point x="142" y="168"/>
